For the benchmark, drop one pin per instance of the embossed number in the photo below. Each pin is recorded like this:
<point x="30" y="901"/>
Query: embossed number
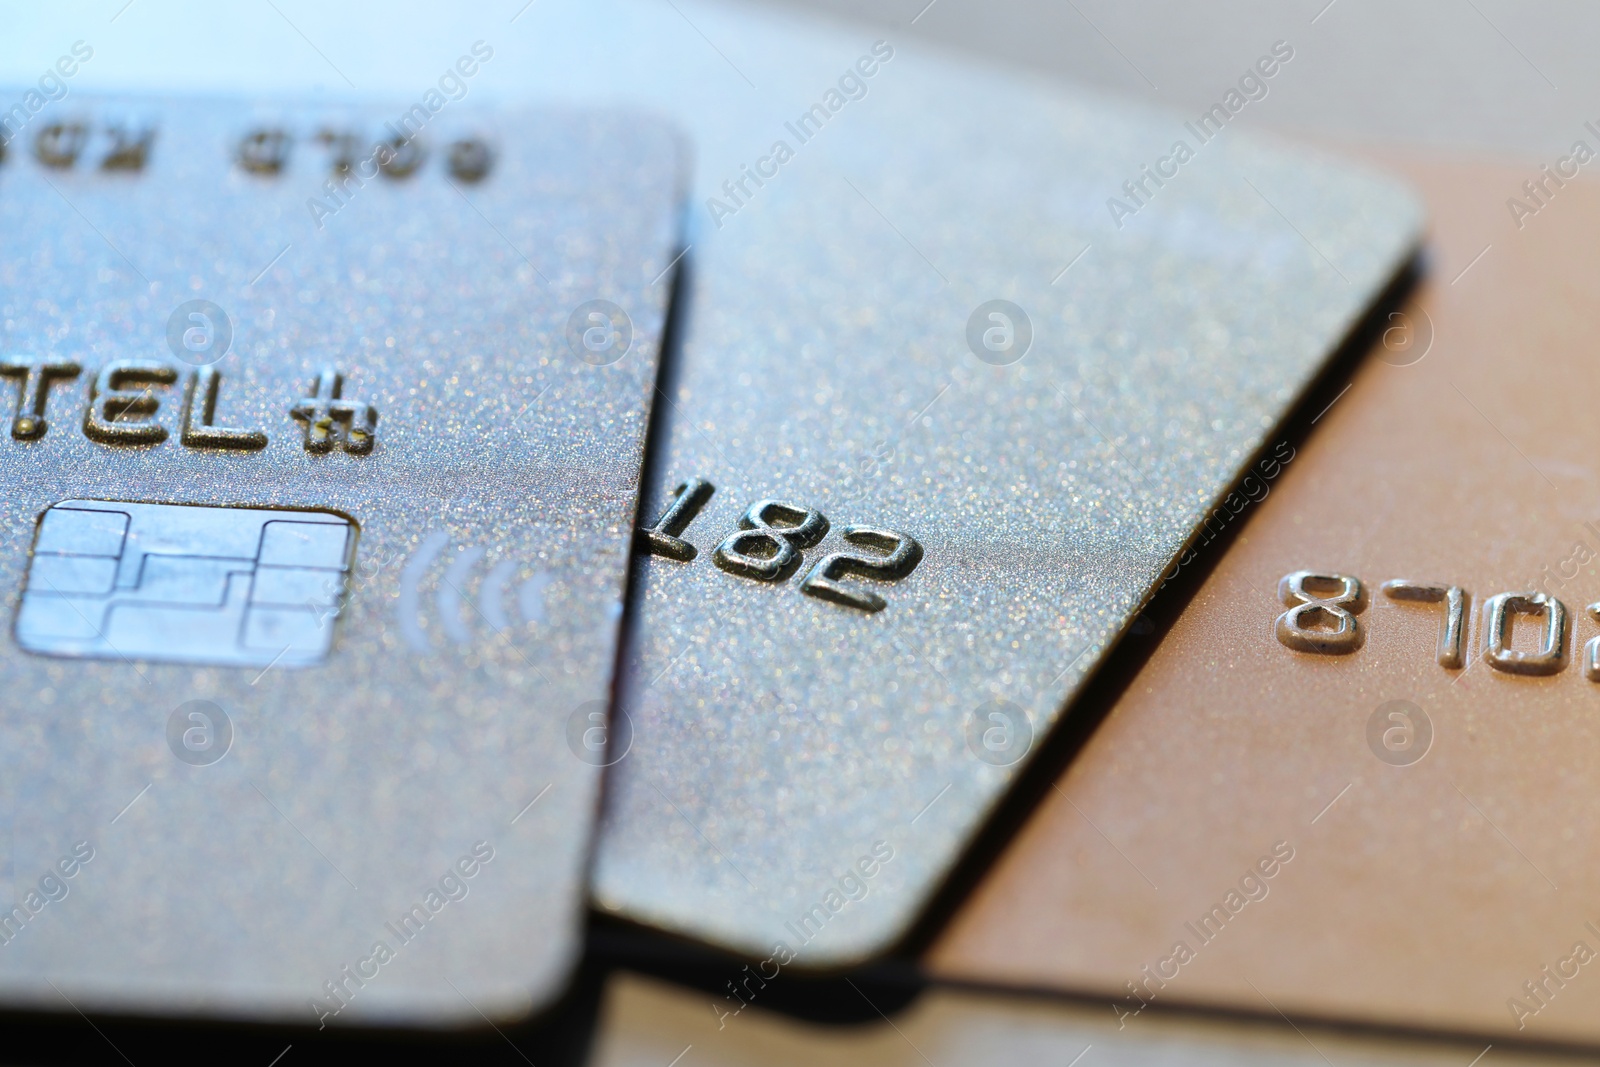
<point x="662" y="539"/>
<point x="1497" y="613"/>
<point x="767" y="546"/>
<point x="765" y="551"/>
<point x="1452" y="628"/>
<point x="1306" y="607"/>
<point x="901" y="555"/>
<point x="1322" y="610"/>
<point x="1591" y="651"/>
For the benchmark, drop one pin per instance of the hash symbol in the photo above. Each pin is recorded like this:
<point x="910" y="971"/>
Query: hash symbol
<point x="325" y="409"/>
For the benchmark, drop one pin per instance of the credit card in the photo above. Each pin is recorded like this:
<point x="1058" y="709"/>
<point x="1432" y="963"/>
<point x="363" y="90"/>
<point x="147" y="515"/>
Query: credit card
<point x="326" y="426"/>
<point x="922" y="468"/>
<point x="1402" y="832"/>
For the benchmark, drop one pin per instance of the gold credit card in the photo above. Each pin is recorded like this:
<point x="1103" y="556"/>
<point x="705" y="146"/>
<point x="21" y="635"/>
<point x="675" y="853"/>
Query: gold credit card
<point x="1360" y="776"/>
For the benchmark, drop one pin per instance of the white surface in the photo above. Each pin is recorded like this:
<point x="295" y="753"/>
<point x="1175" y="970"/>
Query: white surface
<point x="1499" y="78"/>
<point x="1489" y="77"/>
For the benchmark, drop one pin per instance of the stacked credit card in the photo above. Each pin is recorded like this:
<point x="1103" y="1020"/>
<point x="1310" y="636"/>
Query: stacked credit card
<point x="429" y="519"/>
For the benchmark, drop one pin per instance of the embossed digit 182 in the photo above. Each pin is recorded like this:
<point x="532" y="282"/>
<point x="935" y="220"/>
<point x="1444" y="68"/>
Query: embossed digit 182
<point x="768" y="546"/>
<point x="1323" y="608"/>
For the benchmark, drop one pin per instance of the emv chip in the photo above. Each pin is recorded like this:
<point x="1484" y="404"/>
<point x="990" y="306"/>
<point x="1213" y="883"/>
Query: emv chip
<point x="245" y="587"/>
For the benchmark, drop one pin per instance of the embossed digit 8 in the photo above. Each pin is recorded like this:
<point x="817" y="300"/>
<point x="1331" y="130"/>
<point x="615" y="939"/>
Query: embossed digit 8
<point x="1307" y="607"/>
<point x="778" y="545"/>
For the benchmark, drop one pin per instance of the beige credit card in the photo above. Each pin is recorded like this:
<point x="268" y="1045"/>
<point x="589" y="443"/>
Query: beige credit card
<point x="1359" y="777"/>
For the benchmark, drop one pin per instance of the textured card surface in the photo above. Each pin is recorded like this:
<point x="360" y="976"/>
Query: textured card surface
<point x="1400" y="828"/>
<point x="325" y="432"/>
<point x="924" y="465"/>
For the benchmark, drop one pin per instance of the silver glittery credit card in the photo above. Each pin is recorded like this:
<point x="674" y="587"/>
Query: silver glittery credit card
<point x="924" y="468"/>
<point x="325" y="435"/>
